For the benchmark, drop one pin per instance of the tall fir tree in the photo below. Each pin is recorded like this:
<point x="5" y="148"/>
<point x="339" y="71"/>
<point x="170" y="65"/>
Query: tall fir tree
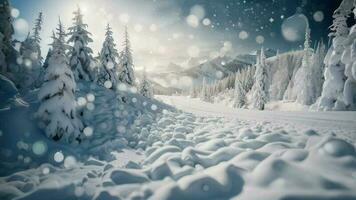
<point x="30" y="52"/>
<point x="57" y="110"/>
<point x="318" y="68"/>
<point x="145" y="87"/>
<point x="304" y="88"/>
<point x="37" y="28"/>
<point x="108" y="60"/>
<point x="259" y="95"/>
<point x="240" y="92"/>
<point x="81" y="58"/>
<point x="126" y="67"/>
<point x="6" y="32"/>
<point x="203" y="92"/>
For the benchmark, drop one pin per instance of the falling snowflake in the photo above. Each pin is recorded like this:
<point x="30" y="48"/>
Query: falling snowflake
<point x="21" y="28"/>
<point x="154" y="107"/>
<point x="243" y="35"/>
<point x="192" y="21"/>
<point x="70" y="162"/>
<point x="206" y="22"/>
<point x="90" y="106"/>
<point x="15" y="13"/>
<point x="91" y="97"/>
<point x="108" y="84"/>
<point x="318" y="16"/>
<point x="58" y="157"/>
<point x="122" y="87"/>
<point x="260" y="39"/>
<point x="45" y="170"/>
<point x="81" y="101"/>
<point x="88" y="131"/>
<point x="39" y="148"/>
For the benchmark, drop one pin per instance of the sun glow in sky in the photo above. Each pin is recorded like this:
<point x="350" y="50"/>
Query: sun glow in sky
<point x="164" y="32"/>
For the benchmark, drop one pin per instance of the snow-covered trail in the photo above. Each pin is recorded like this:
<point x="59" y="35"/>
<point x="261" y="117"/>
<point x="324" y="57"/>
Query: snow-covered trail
<point x="332" y="122"/>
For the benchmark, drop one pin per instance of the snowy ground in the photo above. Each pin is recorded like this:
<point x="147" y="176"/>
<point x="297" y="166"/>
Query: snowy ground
<point x="212" y="152"/>
<point x="341" y="123"/>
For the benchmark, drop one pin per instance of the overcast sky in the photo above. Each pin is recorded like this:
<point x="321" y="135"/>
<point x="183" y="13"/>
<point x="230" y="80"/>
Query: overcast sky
<point x="164" y="31"/>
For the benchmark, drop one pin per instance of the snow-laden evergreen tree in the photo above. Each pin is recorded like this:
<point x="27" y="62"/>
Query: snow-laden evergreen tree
<point x="57" y="110"/>
<point x="30" y="53"/>
<point x="248" y="78"/>
<point x="80" y="54"/>
<point x="332" y="94"/>
<point x="279" y="84"/>
<point x="304" y="88"/>
<point x="6" y="32"/>
<point x="259" y="93"/>
<point x="145" y="87"/>
<point x="240" y="93"/>
<point x="318" y="68"/>
<point x="349" y="59"/>
<point x="38" y="70"/>
<point x="37" y="28"/>
<point x="126" y="67"/>
<point x="108" y="59"/>
<point x="203" y="92"/>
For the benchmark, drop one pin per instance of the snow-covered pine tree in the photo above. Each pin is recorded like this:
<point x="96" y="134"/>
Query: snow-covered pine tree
<point x="126" y="71"/>
<point x="259" y="93"/>
<point x="37" y="28"/>
<point x="57" y="110"/>
<point x="304" y="88"/>
<point x="248" y="77"/>
<point x="240" y="93"/>
<point x="318" y="68"/>
<point x="30" y="52"/>
<point x="108" y="59"/>
<point x="332" y="94"/>
<point x="145" y="87"/>
<point x="81" y="58"/>
<point x="6" y="32"/>
<point x="203" y="93"/>
<point x="349" y="59"/>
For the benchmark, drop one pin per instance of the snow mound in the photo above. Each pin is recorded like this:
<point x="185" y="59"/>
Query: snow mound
<point x="217" y="159"/>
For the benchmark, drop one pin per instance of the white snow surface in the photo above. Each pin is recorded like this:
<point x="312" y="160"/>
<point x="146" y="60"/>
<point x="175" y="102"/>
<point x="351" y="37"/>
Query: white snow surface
<point x="211" y="151"/>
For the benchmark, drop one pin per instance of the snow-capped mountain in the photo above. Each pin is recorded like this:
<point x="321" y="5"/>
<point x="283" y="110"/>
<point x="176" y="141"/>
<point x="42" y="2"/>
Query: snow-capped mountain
<point x="211" y="70"/>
